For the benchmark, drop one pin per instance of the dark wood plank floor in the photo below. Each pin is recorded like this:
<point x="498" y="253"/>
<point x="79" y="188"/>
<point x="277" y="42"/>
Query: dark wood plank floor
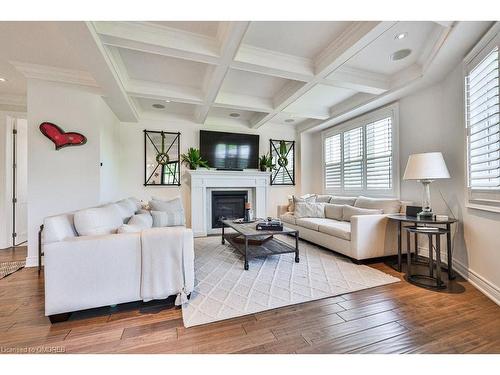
<point x="396" y="318"/>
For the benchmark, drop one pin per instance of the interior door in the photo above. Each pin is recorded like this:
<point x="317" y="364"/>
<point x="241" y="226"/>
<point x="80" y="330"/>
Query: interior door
<point x="21" y="182"/>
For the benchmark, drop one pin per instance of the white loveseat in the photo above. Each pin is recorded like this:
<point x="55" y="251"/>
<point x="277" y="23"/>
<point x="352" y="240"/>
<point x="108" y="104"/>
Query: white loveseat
<point x="89" y="271"/>
<point x="360" y="237"/>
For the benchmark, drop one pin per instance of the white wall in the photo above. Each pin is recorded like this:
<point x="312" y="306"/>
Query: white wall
<point x="433" y="120"/>
<point x="132" y="158"/>
<point x="68" y="179"/>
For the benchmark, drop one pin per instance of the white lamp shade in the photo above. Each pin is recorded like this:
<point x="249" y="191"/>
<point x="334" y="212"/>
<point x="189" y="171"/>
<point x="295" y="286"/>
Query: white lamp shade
<point x="426" y="166"/>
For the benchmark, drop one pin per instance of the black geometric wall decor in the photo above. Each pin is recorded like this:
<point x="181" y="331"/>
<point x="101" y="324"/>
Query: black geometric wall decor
<point x="283" y="156"/>
<point x="162" y="165"/>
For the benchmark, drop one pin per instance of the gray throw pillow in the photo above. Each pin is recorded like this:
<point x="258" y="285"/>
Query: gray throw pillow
<point x="349" y="211"/>
<point x="349" y="201"/>
<point x="323" y="198"/>
<point x="168" y="219"/>
<point x="334" y="211"/>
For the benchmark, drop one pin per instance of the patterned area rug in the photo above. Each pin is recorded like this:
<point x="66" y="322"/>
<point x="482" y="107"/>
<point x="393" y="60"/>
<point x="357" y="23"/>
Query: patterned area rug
<point x="223" y="289"/>
<point x="6" y="268"/>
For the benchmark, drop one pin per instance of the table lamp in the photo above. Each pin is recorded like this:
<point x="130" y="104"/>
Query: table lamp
<point x="426" y="167"/>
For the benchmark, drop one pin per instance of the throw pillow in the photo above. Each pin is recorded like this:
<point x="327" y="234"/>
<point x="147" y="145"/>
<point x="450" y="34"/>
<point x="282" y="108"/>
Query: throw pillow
<point x="127" y="228"/>
<point x="142" y="221"/>
<point x="306" y="209"/>
<point x="349" y="201"/>
<point x="388" y="205"/>
<point x="334" y="211"/>
<point x="174" y="204"/>
<point x="168" y="219"/>
<point x="323" y="198"/>
<point x="99" y="220"/>
<point x="309" y="198"/>
<point x="127" y="208"/>
<point x="349" y="211"/>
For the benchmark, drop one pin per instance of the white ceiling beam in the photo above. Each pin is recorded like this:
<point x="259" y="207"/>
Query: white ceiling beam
<point x="229" y="35"/>
<point x="356" y="37"/>
<point x="358" y="80"/>
<point x="243" y="102"/>
<point x="264" y="61"/>
<point x="161" y="40"/>
<point x="162" y="91"/>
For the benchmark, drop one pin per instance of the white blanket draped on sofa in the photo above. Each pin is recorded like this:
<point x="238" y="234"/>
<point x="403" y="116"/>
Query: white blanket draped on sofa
<point x="167" y="264"/>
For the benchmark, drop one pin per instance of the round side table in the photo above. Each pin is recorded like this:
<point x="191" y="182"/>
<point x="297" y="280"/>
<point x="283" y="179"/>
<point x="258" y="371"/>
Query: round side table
<point x="434" y="237"/>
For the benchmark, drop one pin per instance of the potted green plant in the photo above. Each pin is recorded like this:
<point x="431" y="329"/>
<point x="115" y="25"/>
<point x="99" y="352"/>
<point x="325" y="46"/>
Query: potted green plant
<point x="266" y="162"/>
<point x="282" y="159"/>
<point x="193" y="160"/>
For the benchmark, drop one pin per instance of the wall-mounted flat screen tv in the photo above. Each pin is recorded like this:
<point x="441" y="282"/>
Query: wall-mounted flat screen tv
<point x="229" y="150"/>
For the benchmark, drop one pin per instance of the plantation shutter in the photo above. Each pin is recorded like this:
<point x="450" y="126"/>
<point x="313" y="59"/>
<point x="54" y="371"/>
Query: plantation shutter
<point x="333" y="160"/>
<point x="353" y="159"/>
<point x="483" y="127"/>
<point x="379" y="155"/>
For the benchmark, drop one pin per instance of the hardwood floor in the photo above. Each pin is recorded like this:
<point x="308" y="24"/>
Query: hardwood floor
<point x="13" y="254"/>
<point x="396" y="318"/>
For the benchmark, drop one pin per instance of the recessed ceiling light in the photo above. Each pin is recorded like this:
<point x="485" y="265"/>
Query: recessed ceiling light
<point x="400" y="36"/>
<point x="3" y="79"/>
<point x="158" y="106"/>
<point x="289" y="120"/>
<point x="401" y="54"/>
<point x="167" y="101"/>
<point x="234" y="114"/>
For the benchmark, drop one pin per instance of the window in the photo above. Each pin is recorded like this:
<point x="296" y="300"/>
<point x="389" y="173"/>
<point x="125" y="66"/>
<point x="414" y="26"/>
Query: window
<point x="359" y="156"/>
<point x="483" y="127"/>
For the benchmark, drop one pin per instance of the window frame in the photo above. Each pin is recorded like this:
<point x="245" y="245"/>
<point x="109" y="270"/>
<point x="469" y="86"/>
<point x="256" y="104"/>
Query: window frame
<point x="391" y="110"/>
<point x="474" y="57"/>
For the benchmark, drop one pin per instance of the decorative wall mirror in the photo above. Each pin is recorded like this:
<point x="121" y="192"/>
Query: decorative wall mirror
<point x="162" y="158"/>
<point x="283" y="157"/>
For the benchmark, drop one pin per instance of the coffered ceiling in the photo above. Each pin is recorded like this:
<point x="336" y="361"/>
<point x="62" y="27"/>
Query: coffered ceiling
<point x="253" y="74"/>
<point x="260" y="73"/>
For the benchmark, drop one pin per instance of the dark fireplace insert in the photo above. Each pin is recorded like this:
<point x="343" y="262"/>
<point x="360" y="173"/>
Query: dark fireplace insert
<point x="228" y="204"/>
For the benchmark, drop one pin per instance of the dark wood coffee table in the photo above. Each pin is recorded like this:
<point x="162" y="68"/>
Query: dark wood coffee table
<point x="253" y="243"/>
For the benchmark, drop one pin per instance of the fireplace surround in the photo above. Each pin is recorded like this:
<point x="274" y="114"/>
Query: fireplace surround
<point x="203" y="182"/>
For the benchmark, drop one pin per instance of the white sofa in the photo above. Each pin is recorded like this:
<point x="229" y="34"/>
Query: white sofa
<point x="363" y="237"/>
<point x="83" y="272"/>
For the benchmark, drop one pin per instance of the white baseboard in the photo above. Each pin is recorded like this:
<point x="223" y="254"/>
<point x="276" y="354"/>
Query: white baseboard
<point x="32" y="261"/>
<point x="484" y="286"/>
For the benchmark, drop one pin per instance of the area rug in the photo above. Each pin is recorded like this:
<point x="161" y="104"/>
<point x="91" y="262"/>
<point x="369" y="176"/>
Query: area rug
<point x="6" y="268"/>
<point x="223" y="289"/>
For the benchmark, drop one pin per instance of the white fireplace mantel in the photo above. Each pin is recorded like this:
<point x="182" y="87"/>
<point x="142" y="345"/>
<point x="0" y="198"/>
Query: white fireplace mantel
<point x="204" y="180"/>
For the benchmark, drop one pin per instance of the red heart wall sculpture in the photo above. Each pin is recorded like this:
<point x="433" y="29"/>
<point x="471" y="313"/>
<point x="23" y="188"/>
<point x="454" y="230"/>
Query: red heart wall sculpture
<point x="59" y="137"/>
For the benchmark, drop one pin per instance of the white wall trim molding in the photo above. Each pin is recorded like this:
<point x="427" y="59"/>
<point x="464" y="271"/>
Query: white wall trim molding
<point x="50" y="73"/>
<point x="32" y="261"/>
<point x="13" y="100"/>
<point x="486" y="287"/>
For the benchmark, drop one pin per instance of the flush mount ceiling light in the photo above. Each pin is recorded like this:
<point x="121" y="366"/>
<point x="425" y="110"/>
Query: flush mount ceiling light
<point x="234" y="114"/>
<point x="3" y="79"/>
<point x="401" y="54"/>
<point x="400" y="36"/>
<point x="167" y="101"/>
<point x="289" y="120"/>
<point x="158" y="106"/>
